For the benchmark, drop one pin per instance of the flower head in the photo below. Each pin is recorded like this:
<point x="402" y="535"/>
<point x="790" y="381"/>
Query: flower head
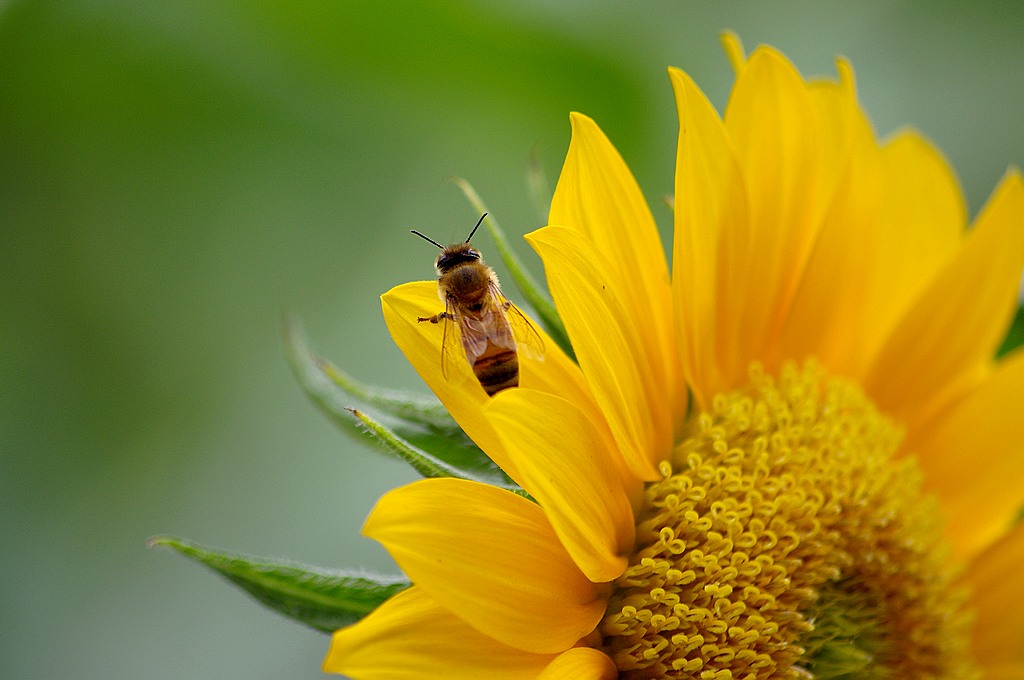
<point x="788" y="458"/>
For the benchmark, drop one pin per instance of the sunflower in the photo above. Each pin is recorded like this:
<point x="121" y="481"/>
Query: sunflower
<point x="796" y="456"/>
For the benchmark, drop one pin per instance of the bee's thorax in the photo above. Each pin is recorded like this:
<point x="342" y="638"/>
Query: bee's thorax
<point x="468" y="283"/>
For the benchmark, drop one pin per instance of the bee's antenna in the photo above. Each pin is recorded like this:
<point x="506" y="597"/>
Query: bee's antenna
<point x="427" y="238"/>
<point x="478" y="223"/>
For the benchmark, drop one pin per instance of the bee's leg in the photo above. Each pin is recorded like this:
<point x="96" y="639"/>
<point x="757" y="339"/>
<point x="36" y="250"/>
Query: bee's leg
<point x="437" y="317"/>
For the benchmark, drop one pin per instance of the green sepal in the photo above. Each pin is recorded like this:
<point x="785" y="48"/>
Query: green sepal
<point x="323" y="599"/>
<point x="423" y="425"/>
<point x="423" y="462"/>
<point x="547" y="315"/>
<point x="328" y="386"/>
<point x="1015" y="336"/>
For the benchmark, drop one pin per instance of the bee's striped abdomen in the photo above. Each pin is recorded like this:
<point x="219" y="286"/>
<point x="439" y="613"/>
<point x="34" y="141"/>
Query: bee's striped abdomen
<point x="497" y="369"/>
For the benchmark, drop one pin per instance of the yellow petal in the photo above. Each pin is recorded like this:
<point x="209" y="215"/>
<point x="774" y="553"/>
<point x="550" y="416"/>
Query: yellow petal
<point x="776" y="131"/>
<point x="569" y="466"/>
<point x="710" y="246"/>
<point x="973" y="458"/>
<point x="954" y="327"/>
<point x="491" y="558"/>
<point x="921" y="224"/>
<point x="581" y="663"/>
<point x="461" y="394"/>
<point x="828" y="306"/>
<point x="998" y="595"/>
<point x="411" y="637"/>
<point x="625" y="385"/>
<point x="597" y="195"/>
<point x="733" y="47"/>
<point x="837" y="109"/>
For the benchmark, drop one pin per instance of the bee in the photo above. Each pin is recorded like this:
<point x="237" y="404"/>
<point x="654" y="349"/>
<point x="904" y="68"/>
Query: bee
<point x="476" y="310"/>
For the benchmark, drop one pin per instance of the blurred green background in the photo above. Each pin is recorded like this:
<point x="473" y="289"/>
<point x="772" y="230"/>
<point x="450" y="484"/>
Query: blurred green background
<point x="174" y="176"/>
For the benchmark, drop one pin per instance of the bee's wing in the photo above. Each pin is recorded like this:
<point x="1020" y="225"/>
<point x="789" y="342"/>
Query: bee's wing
<point x="449" y="341"/>
<point x="475" y="333"/>
<point x="521" y="335"/>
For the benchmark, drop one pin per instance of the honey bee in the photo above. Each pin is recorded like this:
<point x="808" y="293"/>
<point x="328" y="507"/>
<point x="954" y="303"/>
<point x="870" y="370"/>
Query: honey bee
<point x="477" y="311"/>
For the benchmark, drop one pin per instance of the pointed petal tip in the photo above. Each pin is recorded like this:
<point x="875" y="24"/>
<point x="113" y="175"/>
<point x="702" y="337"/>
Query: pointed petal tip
<point x="772" y="58"/>
<point x="908" y="143"/>
<point x="685" y="90"/>
<point x="678" y="77"/>
<point x="407" y="291"/>
<point x="581" y="122"/>
<point x="530" y="235"/>
<point x="1006" y="199"/>
<point x="1011" y="188"/>
<point x="847" y="79"/>
<point x="1014" y="178"/>
<point x="733" y="47"/>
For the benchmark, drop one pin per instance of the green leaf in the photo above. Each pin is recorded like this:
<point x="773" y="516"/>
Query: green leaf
<point x="323" y="599"/>
<point x="421" y="461"/>
<point x="327" y="385"/>
<point x="1015" y="336"/>
<point x="418" y="423"/>
<point x="454" y="449"/>
<point x="541" y="303"/>
<point x="428" y="465"/>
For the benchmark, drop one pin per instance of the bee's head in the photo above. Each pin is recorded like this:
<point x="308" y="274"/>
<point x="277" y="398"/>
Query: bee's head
<point x="453" y="256"/>
<point x="457" y="254"/>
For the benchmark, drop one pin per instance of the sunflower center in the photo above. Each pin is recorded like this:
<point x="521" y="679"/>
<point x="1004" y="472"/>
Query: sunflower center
<point x="785" y="540"/>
